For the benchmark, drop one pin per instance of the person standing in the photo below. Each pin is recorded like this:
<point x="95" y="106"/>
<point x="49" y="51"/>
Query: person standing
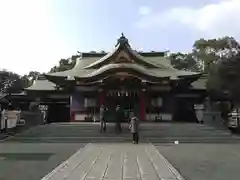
<point x="3" y="120"/>
<point x="199" y="110"/>
<point x="134" y="127"/>
<point x="119" y="117"/>
<point x="131" y="115"/>
<point x="102" y="119"/>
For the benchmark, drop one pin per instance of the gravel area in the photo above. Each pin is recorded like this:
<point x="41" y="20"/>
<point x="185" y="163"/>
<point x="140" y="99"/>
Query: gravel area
<point x="204" y="161"/>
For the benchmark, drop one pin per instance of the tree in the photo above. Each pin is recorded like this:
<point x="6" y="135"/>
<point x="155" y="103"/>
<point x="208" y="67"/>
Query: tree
<point x="184" y="61"/>
<point x="10" y="82"/>
<point x="33" y="75"/>
<point x="214" y="83"/>
<point x="209" y="52"/>
<point x="229" y="75"/>
<point x="65" y="64"/>
<point x="225" y="74"/>
<point x="26" y="82"/>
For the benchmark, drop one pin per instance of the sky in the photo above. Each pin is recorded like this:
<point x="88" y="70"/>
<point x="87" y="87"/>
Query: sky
<point x="36" y="34"/>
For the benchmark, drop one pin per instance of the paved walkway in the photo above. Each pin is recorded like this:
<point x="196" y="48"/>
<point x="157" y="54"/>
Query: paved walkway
<point x="115" y="162"/>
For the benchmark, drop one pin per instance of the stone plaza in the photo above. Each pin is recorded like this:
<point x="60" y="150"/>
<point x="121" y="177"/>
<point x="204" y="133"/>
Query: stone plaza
<point x="115" y="162"/>
<point x="79" y="151"/>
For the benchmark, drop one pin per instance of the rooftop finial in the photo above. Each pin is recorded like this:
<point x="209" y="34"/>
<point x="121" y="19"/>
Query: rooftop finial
<point x="122" y="40"/>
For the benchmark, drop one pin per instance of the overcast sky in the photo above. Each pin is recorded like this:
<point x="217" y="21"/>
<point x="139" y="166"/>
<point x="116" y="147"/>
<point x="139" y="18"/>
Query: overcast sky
<point x="36" y="34"/>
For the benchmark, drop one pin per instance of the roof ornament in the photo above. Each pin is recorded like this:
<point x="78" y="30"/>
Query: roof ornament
<point x="122" y="41"/>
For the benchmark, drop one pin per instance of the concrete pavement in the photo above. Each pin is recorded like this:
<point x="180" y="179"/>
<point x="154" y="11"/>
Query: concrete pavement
<point x="115" y="162"/>
<point x="204" y="161"/>
<point x="203" y="152"/>
<point x="32" y="161"/>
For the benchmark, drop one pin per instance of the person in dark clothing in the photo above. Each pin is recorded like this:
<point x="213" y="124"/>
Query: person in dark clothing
<point x="119" y="117"/>
<point x="102" y="119"/>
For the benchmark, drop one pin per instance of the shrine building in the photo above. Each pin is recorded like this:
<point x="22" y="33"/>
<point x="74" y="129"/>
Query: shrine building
<point x="141" y="82"/>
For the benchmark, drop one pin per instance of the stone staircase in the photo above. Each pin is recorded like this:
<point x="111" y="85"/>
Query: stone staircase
<point x="149" y="132"/>
<point x="187" y="133"/>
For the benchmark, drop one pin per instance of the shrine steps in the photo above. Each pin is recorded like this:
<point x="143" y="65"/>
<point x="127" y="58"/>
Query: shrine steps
<point x="149" y="132"/>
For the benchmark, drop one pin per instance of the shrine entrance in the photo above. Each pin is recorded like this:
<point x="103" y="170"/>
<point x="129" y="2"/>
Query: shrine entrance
<point x="128" y="101"/>
<point x="122" y="89"/>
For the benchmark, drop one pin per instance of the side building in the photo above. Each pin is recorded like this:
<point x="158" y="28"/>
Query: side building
<point x="143" y="83"/>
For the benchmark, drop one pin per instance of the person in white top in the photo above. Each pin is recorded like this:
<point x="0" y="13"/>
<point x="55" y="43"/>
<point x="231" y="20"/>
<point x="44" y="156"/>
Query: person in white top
<point x="134" y="127"/>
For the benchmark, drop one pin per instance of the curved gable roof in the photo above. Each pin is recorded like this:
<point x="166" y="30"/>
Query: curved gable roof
<point x="121" y="47"/>
<point x="150" y="64"/>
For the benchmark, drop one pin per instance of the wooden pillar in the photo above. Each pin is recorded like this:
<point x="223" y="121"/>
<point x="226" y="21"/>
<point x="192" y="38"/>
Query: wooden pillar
<point x="72" y="116"/>
<point x="143" y="105"/>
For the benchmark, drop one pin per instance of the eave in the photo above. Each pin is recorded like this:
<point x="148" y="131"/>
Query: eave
<point x="61" y="81"/>
<point x="113" y="69"/>
<point x="189" y="78"/>
<point x="102" y="82"/>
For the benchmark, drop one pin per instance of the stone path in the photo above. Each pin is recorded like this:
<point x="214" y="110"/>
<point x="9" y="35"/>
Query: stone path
<point x="115" y="162"/>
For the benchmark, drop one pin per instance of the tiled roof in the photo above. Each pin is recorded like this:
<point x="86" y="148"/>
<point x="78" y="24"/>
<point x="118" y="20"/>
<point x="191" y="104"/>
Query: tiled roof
<point x="150" y="64"/>
<point x="42" y="85"/>
<point x="45" y="85"/>
<point x="156" y="63"/>
<point x="164" y="68"/>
